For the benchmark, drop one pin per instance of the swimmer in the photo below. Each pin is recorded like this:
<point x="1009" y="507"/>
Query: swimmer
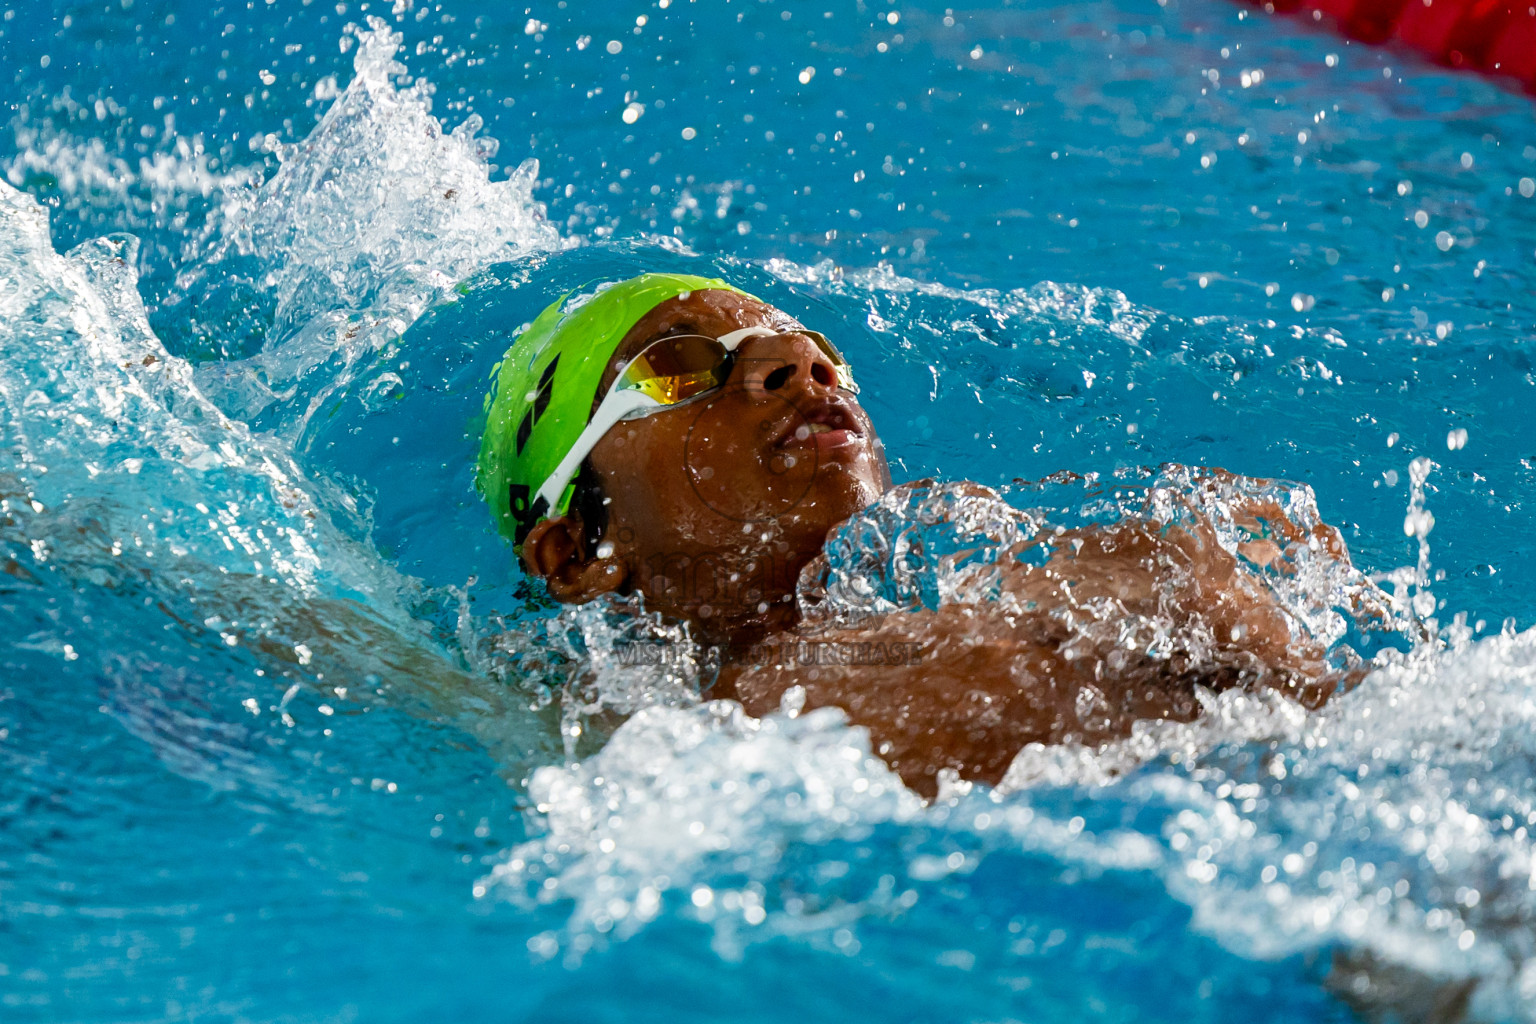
<point x="679" y="439"/>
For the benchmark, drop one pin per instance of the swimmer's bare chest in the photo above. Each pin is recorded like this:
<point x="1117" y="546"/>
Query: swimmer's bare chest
<point x="1120" y="624"/>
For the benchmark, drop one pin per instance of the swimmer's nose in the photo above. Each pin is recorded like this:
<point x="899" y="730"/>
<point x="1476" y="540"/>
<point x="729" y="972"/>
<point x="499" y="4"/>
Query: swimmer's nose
<point x="786" y="363"/>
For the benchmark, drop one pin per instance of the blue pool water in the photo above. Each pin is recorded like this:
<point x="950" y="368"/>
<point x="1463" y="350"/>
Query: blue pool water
<point x="280" y="732"/>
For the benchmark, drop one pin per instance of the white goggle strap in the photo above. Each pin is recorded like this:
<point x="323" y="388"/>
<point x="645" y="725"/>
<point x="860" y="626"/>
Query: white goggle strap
<point x="618" y="405"/>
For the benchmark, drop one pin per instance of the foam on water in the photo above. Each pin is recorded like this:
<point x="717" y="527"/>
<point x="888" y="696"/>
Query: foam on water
<point x="1393" y="827"/>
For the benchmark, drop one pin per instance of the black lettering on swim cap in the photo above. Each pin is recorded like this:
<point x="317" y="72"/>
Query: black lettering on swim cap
<point x="546" y="388"/>
<point x="524" y="430"/>
<point x="540" y="403"/>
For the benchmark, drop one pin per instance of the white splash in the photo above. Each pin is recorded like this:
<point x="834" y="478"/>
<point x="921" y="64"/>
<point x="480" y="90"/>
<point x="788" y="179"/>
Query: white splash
<point x="680" y="795"/>
<point x="94" y="408"/>
<point x="375" y="215"/>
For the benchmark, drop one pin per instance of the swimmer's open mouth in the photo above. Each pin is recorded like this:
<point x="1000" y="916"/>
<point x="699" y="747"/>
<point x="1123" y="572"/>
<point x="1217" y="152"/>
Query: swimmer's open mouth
<point x="825" y="423"/>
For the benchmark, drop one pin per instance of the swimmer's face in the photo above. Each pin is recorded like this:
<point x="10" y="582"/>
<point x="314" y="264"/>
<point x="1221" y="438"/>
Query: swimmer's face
<point x="715" y="505"/>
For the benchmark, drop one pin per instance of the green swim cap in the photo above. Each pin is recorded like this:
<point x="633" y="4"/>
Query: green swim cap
<point x="541" y="400"/>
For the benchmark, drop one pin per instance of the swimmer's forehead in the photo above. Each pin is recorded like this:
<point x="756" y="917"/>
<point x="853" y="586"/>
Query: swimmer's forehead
<point x="711" y="312"/>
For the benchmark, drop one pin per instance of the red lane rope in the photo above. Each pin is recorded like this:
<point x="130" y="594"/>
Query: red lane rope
<point x="1494" y="36"/>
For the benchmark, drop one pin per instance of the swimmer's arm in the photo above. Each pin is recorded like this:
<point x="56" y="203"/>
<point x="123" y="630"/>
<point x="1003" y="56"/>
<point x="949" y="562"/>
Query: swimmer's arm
<point x="964" y="688"/>
<point x="341" y="648"/>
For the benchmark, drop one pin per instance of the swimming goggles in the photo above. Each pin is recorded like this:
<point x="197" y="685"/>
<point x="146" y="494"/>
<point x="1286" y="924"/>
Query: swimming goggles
<point x="667" y="372"/>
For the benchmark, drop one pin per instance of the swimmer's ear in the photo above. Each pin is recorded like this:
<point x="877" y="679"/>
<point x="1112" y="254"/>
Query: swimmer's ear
<point x="554" y="552"/>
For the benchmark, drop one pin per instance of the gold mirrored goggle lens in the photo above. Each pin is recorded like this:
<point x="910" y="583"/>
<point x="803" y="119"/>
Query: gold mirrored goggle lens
<point x="676" y="369"/>
<point x="673" y="370"/>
